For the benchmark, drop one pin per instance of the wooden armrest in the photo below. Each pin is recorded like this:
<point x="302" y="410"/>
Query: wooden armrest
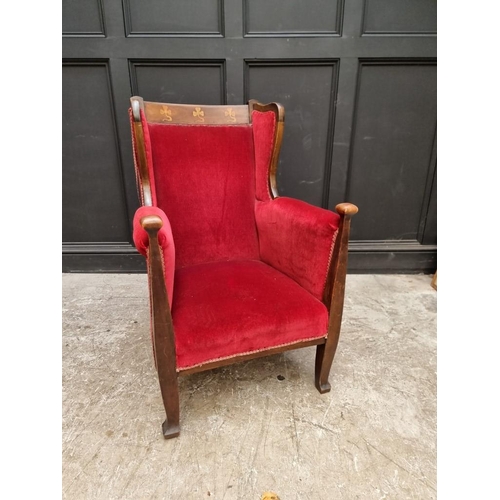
<point x="346" y="209"/>
<point x="151" y="223"/>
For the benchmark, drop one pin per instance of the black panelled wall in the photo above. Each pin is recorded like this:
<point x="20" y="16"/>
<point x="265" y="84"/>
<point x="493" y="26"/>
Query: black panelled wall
<point x="357" y="79"/>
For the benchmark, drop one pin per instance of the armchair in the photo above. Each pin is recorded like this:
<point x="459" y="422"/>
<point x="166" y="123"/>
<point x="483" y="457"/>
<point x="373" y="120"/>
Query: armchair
<point x="235" y="271"/>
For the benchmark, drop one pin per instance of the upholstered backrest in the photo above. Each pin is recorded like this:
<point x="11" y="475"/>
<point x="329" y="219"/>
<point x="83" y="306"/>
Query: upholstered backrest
<point x="203" y="178"/>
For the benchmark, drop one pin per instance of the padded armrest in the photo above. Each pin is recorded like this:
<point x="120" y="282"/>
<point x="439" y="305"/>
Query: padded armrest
<point x="297" y="239"/>
<point x="165" y="239"/>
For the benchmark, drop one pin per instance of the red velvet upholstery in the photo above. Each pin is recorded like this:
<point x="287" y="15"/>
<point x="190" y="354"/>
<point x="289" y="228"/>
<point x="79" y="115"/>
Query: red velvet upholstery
<point x="263" y="125"/>
<point x="165" y="238"/>
<point x="205" y="182"/>
<point x="224" y="309"/>
<point x="250" y="267"/>
<point x="297" y="239"/>
<point x="249" y="271"/>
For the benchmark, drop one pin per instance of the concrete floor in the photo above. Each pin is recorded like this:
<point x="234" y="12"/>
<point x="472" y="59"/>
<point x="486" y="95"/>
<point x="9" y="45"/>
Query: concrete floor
<point x="243" y="431"/>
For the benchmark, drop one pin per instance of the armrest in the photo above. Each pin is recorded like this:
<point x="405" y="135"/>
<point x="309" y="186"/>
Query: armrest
<point x="141" y="237"/>
<point x="153" y="220"/>
<point x="297" y="239"/>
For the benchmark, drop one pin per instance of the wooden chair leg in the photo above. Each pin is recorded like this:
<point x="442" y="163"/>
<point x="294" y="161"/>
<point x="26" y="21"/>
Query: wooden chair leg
<point x="334" y="298"/>
<point x="324" y="359"/>
<point x="170" y="395"/>
<point x="163" y="330"/>
<point x="321" y="384"/>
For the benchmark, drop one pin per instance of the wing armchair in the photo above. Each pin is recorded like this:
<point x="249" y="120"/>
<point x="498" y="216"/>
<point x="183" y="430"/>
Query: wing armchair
<point x="235" y="271"/>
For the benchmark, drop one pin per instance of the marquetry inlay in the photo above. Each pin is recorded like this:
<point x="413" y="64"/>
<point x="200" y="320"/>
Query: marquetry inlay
<point x="185" y="114"/>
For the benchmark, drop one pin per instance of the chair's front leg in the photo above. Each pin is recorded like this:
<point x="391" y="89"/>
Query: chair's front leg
<point x="326" y="352"/>
<point x="335" y="292"/>
<point x="320" y="383"/>
<point x="163" y="331"/>
<point x="170" y="395"/>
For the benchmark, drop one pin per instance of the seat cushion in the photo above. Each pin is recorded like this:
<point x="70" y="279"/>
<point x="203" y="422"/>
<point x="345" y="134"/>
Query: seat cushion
<point x="227" y="309"/>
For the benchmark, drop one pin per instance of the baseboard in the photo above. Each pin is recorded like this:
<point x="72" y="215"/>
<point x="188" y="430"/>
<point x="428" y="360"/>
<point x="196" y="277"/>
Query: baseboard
<point x="391" y="257"/>
<point x="364" y="258"/>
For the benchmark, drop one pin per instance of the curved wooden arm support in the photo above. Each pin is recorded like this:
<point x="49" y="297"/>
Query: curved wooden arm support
<point x="279" y="112"/>
<point x="163" y="329"/>
<point x="334" y="297"/>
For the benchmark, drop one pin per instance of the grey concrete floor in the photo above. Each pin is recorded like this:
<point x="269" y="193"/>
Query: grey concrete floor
<point x="243" y="431"/>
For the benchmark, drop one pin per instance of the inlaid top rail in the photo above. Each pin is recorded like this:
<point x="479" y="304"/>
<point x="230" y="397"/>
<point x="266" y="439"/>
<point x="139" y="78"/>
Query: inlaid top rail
<point x="195" y="114"/>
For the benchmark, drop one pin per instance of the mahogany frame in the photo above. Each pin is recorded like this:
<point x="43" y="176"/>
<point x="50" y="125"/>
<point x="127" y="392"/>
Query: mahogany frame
<point x="162" y="325"/>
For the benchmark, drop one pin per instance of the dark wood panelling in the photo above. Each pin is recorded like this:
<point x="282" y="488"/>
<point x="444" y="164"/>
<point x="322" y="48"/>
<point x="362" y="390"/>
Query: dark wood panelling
<point x="293" y="17"/>
<point x="304" y="54"/>
<point x="81" y="18"/>
<point x="93" y="199"/>
<point x="307" y="91"/>
<point x="429" y="201"/>
<point x="183" y="82"/>
<point x="391" y="149"/>
<point x="430" y="231"/>
<point x="173" y="18"/>
<point x="400" y="17"/>
<point x="399" y="259"/>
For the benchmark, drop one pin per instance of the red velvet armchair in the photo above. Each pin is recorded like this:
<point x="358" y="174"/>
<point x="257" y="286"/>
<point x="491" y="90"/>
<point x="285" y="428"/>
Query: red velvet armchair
<point x="235" y="271"/>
